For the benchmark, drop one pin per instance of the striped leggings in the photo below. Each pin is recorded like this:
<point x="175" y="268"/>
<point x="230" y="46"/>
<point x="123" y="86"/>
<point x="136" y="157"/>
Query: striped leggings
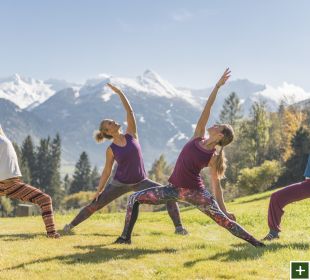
<point x="15" y="188"/>
<point x="200" y="198"/>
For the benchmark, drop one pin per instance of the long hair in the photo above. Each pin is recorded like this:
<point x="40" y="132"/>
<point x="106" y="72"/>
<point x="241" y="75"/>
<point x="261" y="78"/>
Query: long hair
<point x="221" y="160"/>
<point x="100" y="135"/>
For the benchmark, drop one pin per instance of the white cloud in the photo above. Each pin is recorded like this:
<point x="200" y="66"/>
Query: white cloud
<point x="289" y="93"/>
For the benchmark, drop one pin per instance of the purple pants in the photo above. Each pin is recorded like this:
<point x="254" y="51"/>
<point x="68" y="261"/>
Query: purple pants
<point x="281" y="198"/>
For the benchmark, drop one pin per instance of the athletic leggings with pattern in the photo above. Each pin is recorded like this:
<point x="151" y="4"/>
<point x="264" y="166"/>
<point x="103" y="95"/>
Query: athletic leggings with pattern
<point x="201" y="198"/>
<point x="15" y="188"/>
<point x="116" y="189"/>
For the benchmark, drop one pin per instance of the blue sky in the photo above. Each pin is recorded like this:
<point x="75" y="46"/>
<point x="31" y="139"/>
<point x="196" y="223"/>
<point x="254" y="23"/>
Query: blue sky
<point x="188" y="43"/>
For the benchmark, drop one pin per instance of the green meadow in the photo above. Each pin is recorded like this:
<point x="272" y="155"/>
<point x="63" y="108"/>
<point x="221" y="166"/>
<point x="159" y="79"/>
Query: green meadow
<point x="209" y="252"/>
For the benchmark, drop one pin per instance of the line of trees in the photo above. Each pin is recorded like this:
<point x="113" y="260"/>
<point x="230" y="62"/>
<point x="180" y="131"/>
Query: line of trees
<point x="270" y="149"/>
<point x="40" y="166"/>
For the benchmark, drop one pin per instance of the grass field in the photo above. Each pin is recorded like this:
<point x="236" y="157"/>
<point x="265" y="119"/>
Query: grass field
<point x="209" y="252"/>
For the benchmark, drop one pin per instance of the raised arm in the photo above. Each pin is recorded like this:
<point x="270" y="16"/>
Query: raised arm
<point x="204" y="117"/>
<point x="217" y="189"/>
<point x="131" y="120"/>
<point x="106" y="172"/>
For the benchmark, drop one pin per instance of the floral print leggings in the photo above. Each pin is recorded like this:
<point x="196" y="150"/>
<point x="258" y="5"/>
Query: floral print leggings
<point x="201" y="198"/>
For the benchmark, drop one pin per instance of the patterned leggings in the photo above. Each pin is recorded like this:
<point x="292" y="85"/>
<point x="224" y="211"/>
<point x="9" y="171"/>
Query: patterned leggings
<point x="201" y="198"/>
<point x="15" y="188"/>
<point x="116" y="189"/>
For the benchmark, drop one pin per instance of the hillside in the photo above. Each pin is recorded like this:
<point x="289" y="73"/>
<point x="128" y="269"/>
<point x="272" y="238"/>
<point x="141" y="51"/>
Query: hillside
<point x="209" y="252"/>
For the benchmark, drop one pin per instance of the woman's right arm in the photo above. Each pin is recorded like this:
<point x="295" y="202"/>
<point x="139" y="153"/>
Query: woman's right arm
<point x="204" y="117"/>
<point x="105" y="173"/>
<point x="131" y="119"/>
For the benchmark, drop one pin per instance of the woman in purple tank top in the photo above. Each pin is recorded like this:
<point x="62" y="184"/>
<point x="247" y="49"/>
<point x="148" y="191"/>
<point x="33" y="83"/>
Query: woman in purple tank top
<point x="185" y="183"/>
<point x="130" y="173"/>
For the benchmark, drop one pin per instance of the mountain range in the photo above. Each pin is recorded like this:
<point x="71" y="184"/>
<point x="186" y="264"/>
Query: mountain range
<point x="166" y="115"/>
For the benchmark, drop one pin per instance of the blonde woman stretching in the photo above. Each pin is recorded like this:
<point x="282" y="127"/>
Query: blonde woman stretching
<point x="130" y="174"/>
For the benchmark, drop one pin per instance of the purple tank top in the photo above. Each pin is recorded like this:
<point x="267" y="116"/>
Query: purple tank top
<point x="192" y="159"/>
<point x="130" y="169"/>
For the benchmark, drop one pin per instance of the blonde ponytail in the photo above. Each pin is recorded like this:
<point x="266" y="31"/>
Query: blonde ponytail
<point x="99" y="137"/>
<point x="228" y="137"/>
<point x="220" y="163"/>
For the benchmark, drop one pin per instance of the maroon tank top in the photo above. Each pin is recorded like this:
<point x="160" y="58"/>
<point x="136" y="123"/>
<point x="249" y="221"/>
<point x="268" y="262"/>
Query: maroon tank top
<point x="130" y="169"/>
<point x="192" y="159"/>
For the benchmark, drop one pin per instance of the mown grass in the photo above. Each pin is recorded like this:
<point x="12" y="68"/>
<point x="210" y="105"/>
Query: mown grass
<point x="209" y="252"/>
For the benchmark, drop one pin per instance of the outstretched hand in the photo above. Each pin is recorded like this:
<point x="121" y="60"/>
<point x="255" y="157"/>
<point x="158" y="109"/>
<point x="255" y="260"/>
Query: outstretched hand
<point x="114" y="88"/>
<point x="224" y="78"/>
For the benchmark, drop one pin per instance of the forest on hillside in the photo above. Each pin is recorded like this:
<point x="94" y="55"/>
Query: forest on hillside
<point x="270" y="150"/>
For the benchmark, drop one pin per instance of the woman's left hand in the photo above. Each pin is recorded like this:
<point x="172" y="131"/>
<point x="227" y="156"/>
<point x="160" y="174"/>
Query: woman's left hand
<point x="224" y="78"/>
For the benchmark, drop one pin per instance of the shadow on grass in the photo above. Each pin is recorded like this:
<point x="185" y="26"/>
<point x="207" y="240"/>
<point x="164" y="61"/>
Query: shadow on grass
<point x="253" y="199"/>
<point x="98" y="234"/>
<point x="96" y="254"/>
<point x="248" y="252"/>
<point x="20" y="236"/>
<point x="25" y="236"/>
<point x="156" y="233"/>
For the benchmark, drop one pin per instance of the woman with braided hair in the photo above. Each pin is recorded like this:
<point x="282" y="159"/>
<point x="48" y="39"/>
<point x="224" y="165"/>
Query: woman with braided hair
<point x="185" y="183"/>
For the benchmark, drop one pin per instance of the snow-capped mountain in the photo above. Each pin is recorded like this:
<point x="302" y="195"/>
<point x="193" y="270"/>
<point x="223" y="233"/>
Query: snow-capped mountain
<point x="24" y="91"/>
<point x="149" y="83"/>
<point x="28" y="92"/>
<point x="164" y="122"/>
<point x="249" y="92"/>
<point x="165" y="115"/>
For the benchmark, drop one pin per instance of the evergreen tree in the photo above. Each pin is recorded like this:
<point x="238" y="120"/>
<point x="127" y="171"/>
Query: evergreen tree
<point x="255" y="134"/>
<point x="23" y="165"/>
<point x="160" y="170"/>
<point x="250" y="147"/>
<point x="260" y="131"/>
<point x="55" y="188"/>
<point x="231" y="112"/>
<point x="81" y="178"/>
<point x="28" y="156"/>
<point x="274" y="147"/>
<point x="42" y="172"/>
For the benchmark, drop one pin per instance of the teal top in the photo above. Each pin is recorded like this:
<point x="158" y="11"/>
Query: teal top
<point x="307" y="171"/>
